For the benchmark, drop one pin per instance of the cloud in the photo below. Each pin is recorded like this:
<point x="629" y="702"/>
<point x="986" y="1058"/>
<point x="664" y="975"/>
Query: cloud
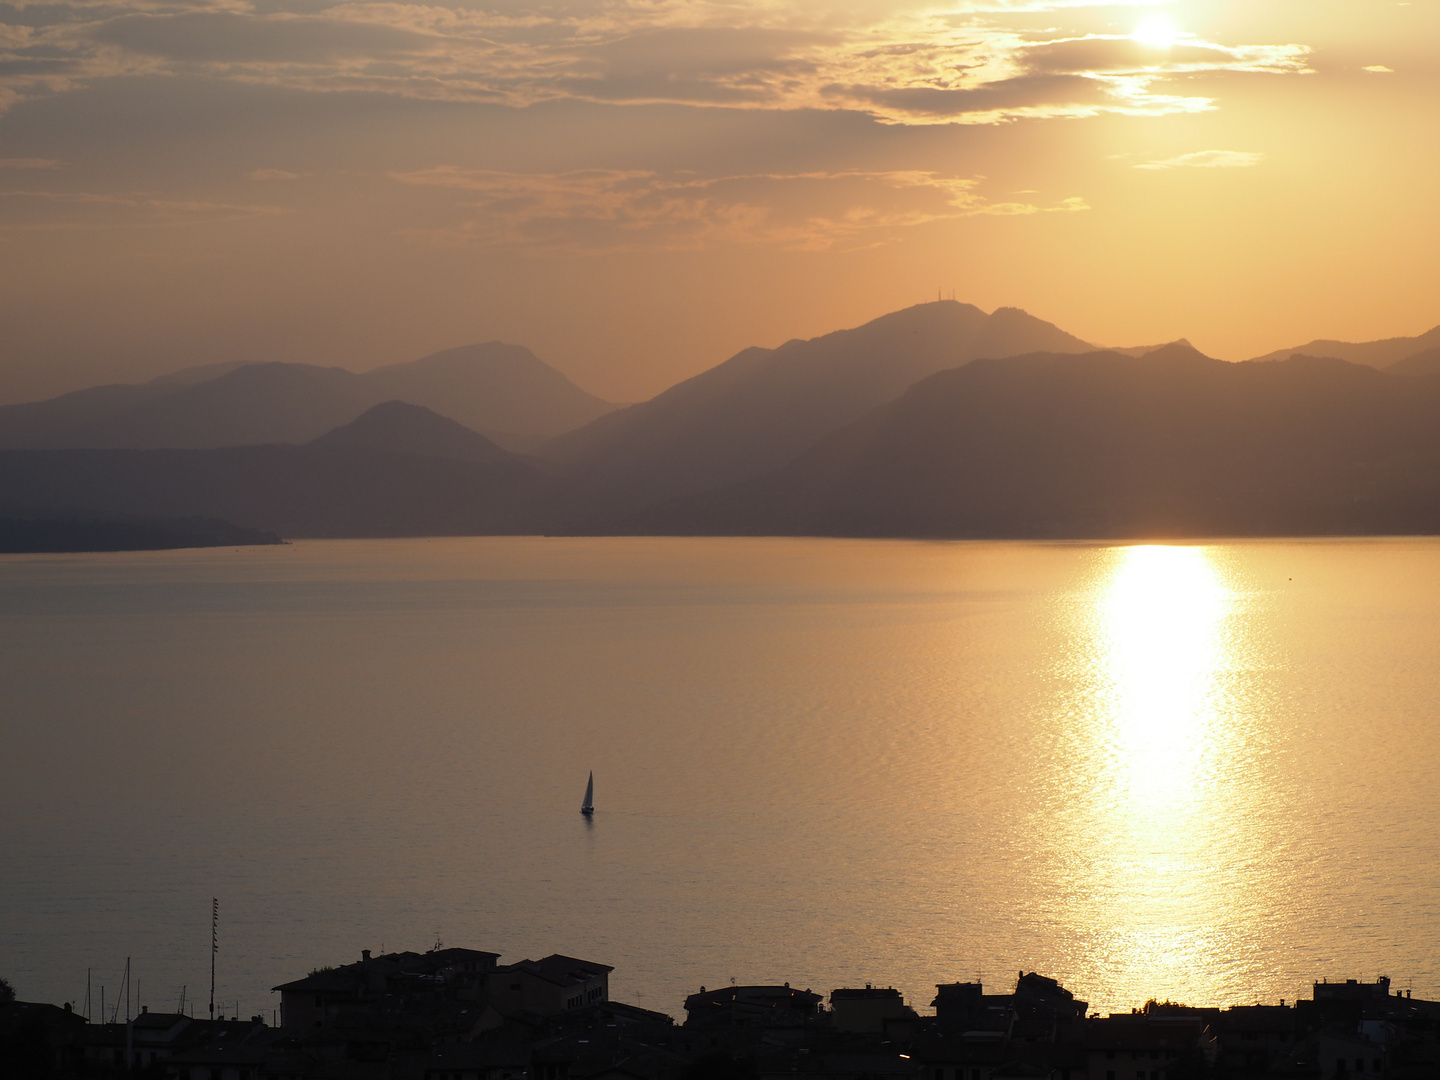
<point x="606" y="210"/>
<point x="1033" y="95"/>
<point x="1379" y="69"/>
<point x="274" y="174"/>
<point x="1207" y="159"/>
<point x="28" y="163"/>
<point x="728" y="65"/>
<point x="34" y="210"/>
<point x="1100" y="55"/>
<point x="230" y="38"/>
<point x="904" y="62"/>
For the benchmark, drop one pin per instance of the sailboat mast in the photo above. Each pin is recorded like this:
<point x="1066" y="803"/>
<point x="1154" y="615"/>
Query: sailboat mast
<point x="214" y="947"/>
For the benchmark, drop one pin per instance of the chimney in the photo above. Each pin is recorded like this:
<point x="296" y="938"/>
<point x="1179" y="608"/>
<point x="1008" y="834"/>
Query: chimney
<point x="364" y="956"/>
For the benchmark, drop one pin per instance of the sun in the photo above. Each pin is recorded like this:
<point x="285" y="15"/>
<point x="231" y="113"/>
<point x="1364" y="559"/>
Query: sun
<point x="1156" y="32"/>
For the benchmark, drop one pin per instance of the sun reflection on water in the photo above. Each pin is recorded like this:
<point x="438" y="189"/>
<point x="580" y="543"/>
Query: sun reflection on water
<point x="1157" y="742"/>
<point x="1160" y="627"/>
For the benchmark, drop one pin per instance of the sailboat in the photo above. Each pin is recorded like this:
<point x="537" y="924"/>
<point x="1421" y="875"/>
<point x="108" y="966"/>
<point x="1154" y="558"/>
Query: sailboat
<point x="588" y="806"/>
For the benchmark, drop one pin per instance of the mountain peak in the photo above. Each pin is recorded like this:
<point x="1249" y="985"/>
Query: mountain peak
<point x="492" y="386"/>
<point x="401" y="428"/>
<point x="1179" y="349"/>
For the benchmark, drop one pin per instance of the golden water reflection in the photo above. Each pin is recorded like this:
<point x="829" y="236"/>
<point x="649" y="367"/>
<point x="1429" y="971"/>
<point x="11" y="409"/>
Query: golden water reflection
<point x="1159" y="732"/>
<point x="1160" y="622"/>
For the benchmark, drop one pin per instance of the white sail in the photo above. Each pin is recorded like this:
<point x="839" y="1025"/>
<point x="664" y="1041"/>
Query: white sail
<point x="589" y="803"/>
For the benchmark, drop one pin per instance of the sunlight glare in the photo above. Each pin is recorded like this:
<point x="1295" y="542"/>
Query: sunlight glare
<point x="1156" y="32"/>
<point x="1162" y="613"/>
<point x="1162" y="648"/>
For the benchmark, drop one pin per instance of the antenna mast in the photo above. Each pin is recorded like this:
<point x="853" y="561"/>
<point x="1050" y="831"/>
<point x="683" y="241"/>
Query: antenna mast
<point x="127" y="993"/>
<point x="214" y="947"/>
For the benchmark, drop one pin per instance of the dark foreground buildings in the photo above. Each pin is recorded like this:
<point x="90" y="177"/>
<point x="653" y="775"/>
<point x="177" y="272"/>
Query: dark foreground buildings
<point x="459" y="1014"/>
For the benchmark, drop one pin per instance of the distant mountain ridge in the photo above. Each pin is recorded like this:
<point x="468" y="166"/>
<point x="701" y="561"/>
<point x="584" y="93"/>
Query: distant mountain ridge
<point x="762" y="407"/>
<point x="397" y="427"/>
<point x="939" y="420"/>
<point x="1104" y="445"/>
<point x="1421" y="363"/>
<point x="520" y="401"/>
<point x="495" y="387"/>
<point x="1147" y="350"/>
<point x="397" y="470"/>
<point x="1378" y="354"/>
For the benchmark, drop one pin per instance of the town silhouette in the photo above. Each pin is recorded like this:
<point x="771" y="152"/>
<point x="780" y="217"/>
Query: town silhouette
<point x="459" y="1014"/>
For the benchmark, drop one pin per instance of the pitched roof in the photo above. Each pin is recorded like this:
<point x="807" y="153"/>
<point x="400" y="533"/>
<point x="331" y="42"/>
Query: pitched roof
<point x="561" y="970"/>
<point x="343" y="979"/>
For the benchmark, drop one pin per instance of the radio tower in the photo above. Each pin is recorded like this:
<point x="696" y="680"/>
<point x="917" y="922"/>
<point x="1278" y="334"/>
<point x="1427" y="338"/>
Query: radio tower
<point x="214" y="947"/>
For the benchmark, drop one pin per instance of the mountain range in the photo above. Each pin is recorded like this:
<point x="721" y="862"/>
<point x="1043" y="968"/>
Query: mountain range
<point x="762" y="407"/>
<point x="396" y="470"/>
<point x="1392" y="353"/>
<point x="1104" y="445"/>
<point x="503" y="391"/>
<point x="938" y="420"/>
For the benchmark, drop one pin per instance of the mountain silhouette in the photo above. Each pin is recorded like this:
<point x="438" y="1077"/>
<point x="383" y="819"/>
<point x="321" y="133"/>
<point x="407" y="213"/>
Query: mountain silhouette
<point x="397" y="427"/>
<point x="397" y="470"/>
<point x="936" y="421"/>
<point x="1380" y="354"/>
<point x="503" y="389"/>
<point x="253" y="404"/>
<point x="1146" y="350"/>
<point x="1421" y="363"/>
<point x="762" y="407"/>
<point x="1104" y="445"/>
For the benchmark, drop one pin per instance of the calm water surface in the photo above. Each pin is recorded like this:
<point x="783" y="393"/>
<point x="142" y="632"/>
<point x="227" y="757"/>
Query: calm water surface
<point x="1202" y="772"/>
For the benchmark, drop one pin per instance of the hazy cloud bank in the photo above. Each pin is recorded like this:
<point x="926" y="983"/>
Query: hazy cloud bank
<point x="902" y="63"/>
<point x="606" y="210"/>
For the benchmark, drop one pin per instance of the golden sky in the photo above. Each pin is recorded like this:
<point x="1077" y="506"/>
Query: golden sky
<point x="636" y="189"/>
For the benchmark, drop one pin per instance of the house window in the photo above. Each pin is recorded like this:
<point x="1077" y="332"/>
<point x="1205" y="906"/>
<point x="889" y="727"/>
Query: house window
<point x="939" y="1074"/>
<point x="1110" y="1075"/>
<point x="1359" y="1064"/>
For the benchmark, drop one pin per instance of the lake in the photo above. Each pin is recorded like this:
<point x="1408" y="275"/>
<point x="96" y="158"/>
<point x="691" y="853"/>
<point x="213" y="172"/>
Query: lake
<point x="1206" y="773"/>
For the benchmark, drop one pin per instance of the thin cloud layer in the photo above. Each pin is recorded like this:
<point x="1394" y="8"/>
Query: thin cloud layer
<point x="596" y="211"/>
<point x="32" y="210"/>
<point x="1207" y="159"/>
<point x="904" y="63"/>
